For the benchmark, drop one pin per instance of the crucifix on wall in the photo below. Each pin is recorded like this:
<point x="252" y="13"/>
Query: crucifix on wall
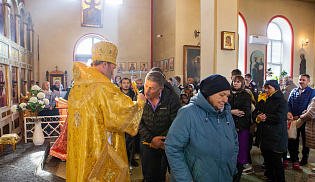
<point x="92" y="13"/>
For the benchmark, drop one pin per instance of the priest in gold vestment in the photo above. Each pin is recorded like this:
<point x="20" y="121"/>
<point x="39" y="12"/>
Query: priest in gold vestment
<point x="97" y="110"/>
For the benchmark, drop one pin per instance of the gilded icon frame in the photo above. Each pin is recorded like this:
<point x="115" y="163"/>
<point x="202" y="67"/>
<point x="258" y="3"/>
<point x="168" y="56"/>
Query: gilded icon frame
<point x="227" y="40"/>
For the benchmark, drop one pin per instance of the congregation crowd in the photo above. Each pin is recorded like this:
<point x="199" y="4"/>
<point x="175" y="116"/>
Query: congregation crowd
<point x="201" y="132"/>
<point x="272" y="119"/>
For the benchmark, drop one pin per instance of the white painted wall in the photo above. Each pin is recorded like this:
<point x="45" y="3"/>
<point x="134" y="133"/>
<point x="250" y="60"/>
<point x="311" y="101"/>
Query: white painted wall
<point x="58" y="24"/>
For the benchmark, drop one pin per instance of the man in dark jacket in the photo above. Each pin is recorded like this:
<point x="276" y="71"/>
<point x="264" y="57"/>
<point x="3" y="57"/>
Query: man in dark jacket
<point x="297" y="102"/>
<point x="159" y="112"/>
<point x="130" y="142"/>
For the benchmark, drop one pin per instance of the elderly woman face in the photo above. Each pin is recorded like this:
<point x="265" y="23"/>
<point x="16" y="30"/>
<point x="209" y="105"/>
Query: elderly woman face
<point x="57" y="83"/>
<point x="46" y="86"/>
<point x="218" y="100"/>
<point x="269" y="89"/>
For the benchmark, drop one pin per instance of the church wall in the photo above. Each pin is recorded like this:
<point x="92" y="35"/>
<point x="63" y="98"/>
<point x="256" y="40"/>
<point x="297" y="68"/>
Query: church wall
<point x="226" y="20"/>
<point x="164" y="24"/>
<point x="187" y="21"/>
<point x="176" y="20"/>
<point x="58" y="24"/>
<point x="301" y="15"/>
<point x="217" y="16"/>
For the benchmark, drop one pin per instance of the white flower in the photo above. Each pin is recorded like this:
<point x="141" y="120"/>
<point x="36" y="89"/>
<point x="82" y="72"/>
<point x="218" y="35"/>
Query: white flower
<point x="46" y="101"/>
<point x="33" y="100"/>
<point x="23" y="106"/>
<point x="13" y="108"/>
<point x="41" y="95"/>
<point x="42" y="103"/>
<point x="35" y="87"/>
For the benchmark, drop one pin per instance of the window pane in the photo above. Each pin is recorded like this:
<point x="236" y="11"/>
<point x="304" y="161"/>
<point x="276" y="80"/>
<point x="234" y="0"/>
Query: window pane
<point x="274" y="32"/>
<point x="96" y="40"/>
<point x="269" y="52"/>
<point x="85" y="47"/>
<point x="276" y="69"/>
<point x="241" y="46"/>
<point x="276" y="51"/>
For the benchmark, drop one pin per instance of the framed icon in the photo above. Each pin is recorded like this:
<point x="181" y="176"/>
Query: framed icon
<point x="121" y="67"/>
<point x="132" y="66"/>
<point x="227" y="40"/>
<point x="143" y="66"/>
<point x="171" y="64"/>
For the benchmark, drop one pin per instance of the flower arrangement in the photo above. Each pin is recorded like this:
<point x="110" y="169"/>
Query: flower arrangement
<point x="35" y="104"/>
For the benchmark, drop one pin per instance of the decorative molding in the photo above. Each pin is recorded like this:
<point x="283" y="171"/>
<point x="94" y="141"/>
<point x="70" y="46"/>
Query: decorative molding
<point x="14" y="54"/>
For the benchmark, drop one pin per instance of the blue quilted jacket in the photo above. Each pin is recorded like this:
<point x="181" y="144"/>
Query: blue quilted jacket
<point x="202" y="144"/>
<point x="298" y="103"/>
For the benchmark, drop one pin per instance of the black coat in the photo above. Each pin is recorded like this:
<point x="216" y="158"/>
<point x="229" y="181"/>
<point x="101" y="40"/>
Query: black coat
<point x="241" y="101"/>
<point x="272" y="134"/>
<point x="157" y="123"/>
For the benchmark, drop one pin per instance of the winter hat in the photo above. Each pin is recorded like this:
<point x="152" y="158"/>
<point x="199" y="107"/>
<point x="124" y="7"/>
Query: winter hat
<point x="273" y="83"/>
<point x="213" y="84"/>
<point x="288" y="79"/>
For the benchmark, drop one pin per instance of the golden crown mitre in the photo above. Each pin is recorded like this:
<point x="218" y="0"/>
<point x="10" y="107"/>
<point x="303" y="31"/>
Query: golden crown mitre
<point x="105" y="51"/>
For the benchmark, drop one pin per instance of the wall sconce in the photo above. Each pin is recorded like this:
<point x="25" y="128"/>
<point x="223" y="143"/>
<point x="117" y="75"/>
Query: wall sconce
<point x="37" y="83"/>
<point x="196" y="33"/>
<point x="15" y="83"/>
<point x="304" y="43"/>
<point x="32" y="81"/>
<point x="25" y="82"/>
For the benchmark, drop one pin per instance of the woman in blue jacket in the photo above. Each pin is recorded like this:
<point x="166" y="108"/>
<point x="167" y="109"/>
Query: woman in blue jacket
<point x="202" y="144"/>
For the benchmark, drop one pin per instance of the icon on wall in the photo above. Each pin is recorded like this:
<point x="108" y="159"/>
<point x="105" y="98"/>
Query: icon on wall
<point x="92" y="13"/>
<point x="302" y="64"/>
<point x="132" y="66"/>
<point x="121" y="67"/>
<point x="144" y="66"/>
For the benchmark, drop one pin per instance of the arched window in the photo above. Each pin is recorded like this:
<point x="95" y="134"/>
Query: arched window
<point x="13" y="13"/>
<point x="83" y="47"/>
<point x="280" y="46"/>
<point x="28" y="35"/>
<point x="22" y="40"/>
<point x="2" y="15"/>
<point x="242" y="44"/>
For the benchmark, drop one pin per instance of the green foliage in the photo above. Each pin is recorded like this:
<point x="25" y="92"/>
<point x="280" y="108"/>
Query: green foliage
<point x="283" y="74"/>
<point x="269" y="72"/>
<point x="34" y="107"/>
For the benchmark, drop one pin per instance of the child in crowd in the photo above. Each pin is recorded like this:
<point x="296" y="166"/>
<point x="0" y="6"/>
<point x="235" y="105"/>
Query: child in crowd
<point x="184" y="99"/>
<point x="292" y="133"/>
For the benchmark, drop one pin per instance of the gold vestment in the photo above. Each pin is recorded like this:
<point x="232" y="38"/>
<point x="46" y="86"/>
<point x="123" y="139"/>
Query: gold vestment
<point x="97" y="106"/>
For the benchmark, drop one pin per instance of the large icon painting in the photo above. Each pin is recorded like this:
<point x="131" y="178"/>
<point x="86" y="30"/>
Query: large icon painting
<point x="92" y="13"/>
<point x="257" y="68"/>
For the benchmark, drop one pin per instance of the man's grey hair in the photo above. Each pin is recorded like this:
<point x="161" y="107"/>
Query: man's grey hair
<point x="96" y="63"/>
<point x="155" y="76"/>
